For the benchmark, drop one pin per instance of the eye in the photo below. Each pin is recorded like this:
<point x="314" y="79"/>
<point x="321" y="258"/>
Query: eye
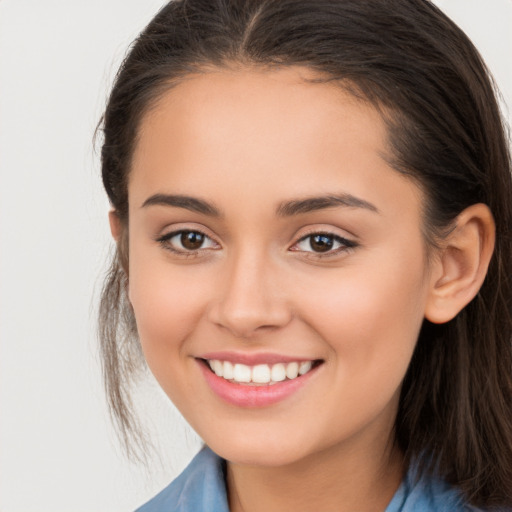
<point x="323" y="243"/>
<point x="187" y="241"/>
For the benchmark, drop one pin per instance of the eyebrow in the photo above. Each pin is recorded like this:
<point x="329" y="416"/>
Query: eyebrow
<point x="285" y="209"/>
<point x="179" y="201"/>
<point x="311" y="204"/>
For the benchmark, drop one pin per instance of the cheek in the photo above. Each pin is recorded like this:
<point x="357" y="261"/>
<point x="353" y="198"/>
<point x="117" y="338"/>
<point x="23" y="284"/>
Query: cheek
<point x="370" y="324"/>
<point x="167" y="306"/>
<point x="370" y="318"/>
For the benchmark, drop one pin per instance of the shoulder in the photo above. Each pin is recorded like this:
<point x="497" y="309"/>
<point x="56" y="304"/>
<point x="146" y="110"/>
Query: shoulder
<point x="199" y="488"/>
<point x="427" y="493"/>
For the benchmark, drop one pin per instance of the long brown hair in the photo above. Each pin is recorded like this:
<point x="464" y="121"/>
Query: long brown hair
<point x="445" y="131"/>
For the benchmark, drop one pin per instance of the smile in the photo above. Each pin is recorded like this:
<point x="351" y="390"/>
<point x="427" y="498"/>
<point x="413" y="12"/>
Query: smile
<point x="255" y="383"/>
<point x="260" y="373"/>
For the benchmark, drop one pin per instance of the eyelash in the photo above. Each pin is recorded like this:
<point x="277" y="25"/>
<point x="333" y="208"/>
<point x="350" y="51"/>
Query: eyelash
<point x="345" y="244"/>
<point x="165" y="241"/>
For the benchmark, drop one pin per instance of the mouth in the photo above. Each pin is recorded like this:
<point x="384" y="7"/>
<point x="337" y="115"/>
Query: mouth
<point x="260" y="374"/>
<point x="259" y="384"/>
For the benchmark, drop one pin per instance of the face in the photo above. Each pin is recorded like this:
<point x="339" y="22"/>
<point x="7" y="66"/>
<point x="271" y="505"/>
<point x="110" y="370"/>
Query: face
<point x="271" y="243"/>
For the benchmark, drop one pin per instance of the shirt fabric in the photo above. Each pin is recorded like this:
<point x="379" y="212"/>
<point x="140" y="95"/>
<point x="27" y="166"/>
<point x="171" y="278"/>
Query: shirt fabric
<point x="201" y="488"/>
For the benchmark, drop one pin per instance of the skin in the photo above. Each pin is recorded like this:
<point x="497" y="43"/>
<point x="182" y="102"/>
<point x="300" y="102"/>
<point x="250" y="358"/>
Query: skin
<point x="247" y="141"/>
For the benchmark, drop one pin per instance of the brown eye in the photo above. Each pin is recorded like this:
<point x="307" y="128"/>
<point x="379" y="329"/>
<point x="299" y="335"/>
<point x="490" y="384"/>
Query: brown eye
<point x="192" y="240"/>
<point x="321" y="243"/>
<point x="187" y="242"/>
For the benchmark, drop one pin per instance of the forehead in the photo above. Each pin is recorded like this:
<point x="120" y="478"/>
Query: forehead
<point x="246" y="107"/>
<point x="261" y="133"/>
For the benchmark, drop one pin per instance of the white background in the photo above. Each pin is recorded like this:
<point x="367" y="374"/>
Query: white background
<point x="57" y="60"/>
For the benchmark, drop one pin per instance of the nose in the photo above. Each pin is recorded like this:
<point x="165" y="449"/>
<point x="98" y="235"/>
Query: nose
<point x="252" y="298"/>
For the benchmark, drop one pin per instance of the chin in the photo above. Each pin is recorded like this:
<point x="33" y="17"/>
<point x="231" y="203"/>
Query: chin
<point x="261" y="458"/>
<point x="264" y="451"/>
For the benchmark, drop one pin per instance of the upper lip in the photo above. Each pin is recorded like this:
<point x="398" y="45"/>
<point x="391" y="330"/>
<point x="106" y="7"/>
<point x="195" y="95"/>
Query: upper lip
<point x="250" y="359"/>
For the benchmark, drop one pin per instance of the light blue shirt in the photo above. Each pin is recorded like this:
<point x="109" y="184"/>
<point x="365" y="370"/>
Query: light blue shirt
<point x="201" y="488"/>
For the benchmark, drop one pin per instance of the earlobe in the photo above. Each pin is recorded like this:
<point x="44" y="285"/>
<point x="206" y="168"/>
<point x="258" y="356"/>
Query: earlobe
<point x="462" y="263"/>
<point x="115" y="224"/>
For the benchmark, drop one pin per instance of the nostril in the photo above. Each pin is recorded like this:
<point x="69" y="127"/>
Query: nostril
<point x="247" y="322"/>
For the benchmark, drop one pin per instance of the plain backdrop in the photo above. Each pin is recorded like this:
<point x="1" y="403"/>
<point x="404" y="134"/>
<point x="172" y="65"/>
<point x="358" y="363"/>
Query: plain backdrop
<point x="58" y="451"/>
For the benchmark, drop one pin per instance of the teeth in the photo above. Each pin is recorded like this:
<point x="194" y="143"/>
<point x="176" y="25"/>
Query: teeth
<point x="278" y="372"/>
<point x="242" y="373"/>
<point x="228" y="370"/>
<point x="261" y="373"/>
<point x="305" y="367"/>
<point x="217" y="367"/>
<point x="292" y="370"/>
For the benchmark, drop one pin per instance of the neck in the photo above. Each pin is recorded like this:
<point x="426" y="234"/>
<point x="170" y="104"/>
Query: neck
<point x="339" y="479"/>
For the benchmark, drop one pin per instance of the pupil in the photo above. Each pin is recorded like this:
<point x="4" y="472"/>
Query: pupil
<point x="192" y="240"/>
<point x="321" y="243"/>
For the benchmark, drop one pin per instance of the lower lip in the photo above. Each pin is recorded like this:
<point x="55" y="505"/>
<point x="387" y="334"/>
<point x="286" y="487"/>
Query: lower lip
<point x="253" y="396"/>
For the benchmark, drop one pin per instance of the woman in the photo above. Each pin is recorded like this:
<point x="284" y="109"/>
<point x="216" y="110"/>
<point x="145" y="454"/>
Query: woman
<point x="311" y="203"/>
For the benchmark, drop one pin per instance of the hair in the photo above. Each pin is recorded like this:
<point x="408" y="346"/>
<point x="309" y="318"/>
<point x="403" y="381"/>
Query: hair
<point x="445" y="131"/>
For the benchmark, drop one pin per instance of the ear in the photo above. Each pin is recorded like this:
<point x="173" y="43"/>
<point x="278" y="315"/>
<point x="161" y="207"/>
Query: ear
<point x="461" y="266"/>
<point x="115" y="225"/>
